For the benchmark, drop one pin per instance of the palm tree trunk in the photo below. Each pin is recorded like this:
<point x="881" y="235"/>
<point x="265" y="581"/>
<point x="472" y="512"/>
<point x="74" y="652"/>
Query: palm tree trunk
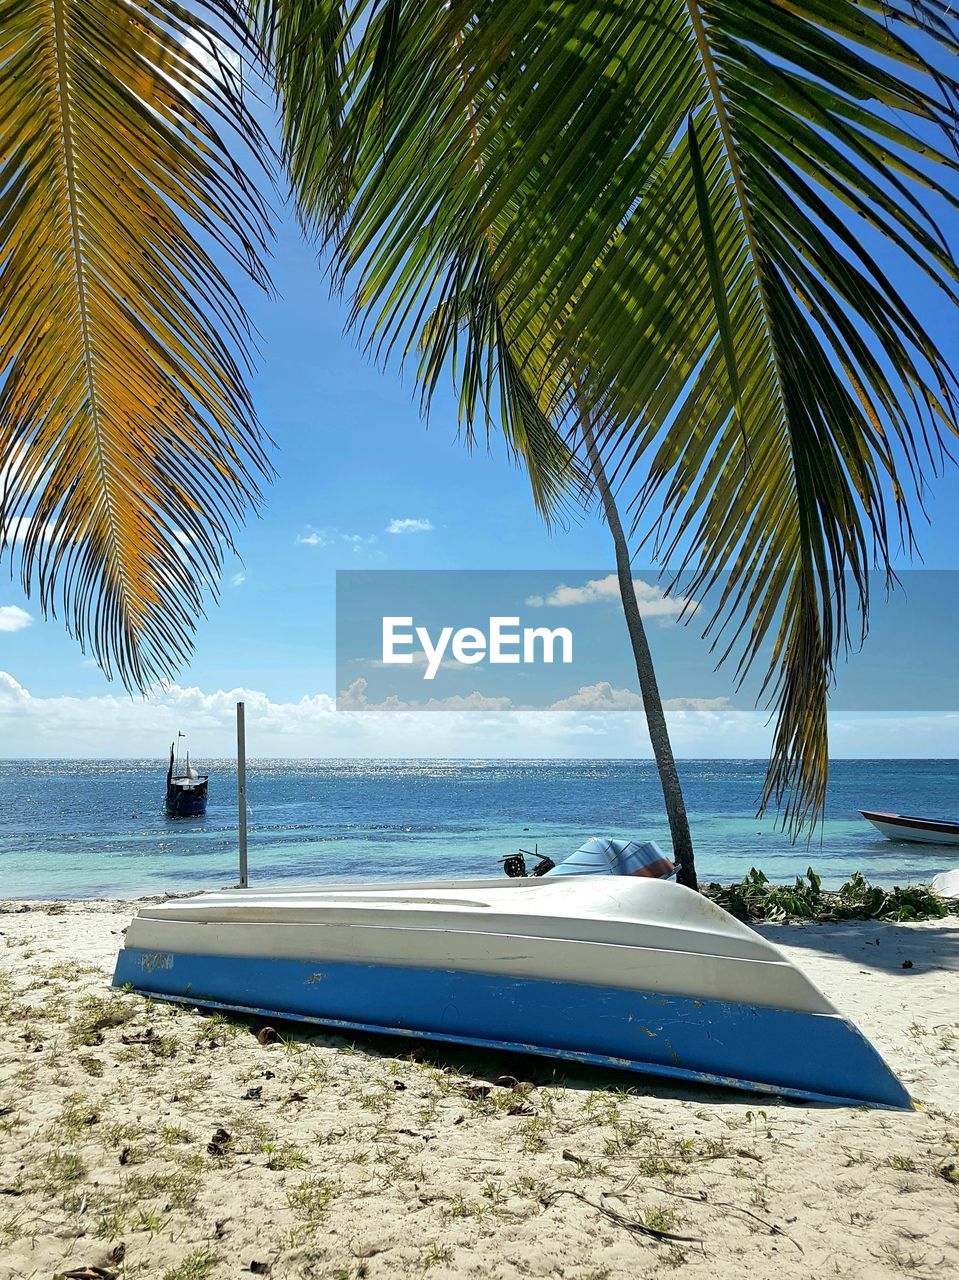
<point x="652" y="702"/>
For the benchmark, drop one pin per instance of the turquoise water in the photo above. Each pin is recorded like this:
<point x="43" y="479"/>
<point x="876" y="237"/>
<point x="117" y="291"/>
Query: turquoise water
<point x="80" y="828"/>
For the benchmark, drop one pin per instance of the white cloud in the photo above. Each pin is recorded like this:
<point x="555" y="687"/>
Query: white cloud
<point x="597" y="589"/>
<point x="238" y="580"/>
<point x="10" y="690"/>
<point x="354" y="698"/>
<point x="111" y="725"/>
<point x="13" y="618"/>
<point x="311" y="537"/>
<point x="14" y="456"/>
<point x="14" y="481"/>
<point x="652" y="600"/>
<point x="600" y="697"/>
<point x="214" y="54"/>
<point x="419" y="659"/>
<point x="472" y="726"/>
<point x="223" y="64"/>
<point x="409" y="525"/>
<point x="703" y="707"/>
<point x="17" y="529"/>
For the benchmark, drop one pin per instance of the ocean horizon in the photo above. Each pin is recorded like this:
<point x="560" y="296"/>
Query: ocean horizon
<point x="96" y="828"/>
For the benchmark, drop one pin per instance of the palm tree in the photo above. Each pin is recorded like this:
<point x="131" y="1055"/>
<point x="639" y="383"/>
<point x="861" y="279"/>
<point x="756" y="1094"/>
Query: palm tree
<point x="679" y="213"/>
<point x="672" y="790"/>
<point x="673" y="211"/>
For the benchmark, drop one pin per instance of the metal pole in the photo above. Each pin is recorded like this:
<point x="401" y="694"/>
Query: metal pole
<point x="241" y="788"/>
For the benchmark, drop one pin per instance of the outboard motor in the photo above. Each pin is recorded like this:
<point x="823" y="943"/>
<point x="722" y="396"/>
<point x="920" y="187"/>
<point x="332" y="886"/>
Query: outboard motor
<point x="515" y="864"/>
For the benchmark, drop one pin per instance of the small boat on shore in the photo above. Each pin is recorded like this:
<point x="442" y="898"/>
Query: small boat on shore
<point x="898" y="826"/>
<point x="620" y="971"/>
<point x="186" y="790"/>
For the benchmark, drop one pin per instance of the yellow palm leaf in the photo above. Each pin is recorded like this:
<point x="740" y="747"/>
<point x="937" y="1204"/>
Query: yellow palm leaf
<point x="127" y="436"/>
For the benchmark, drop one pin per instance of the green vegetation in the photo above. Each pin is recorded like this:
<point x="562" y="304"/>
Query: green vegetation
<point x="195" y="1266"/>
<point x="284" y="1155"/>
<point x="664" y="1220"/>
<point x="98" y="1014"/>
<point x="757" y="899"/>
<point x="57" y="1172"/>
<point x="437" y="1255"/>
<point x="906" y="1164"/>
<point x="310" y="1199"/>
<point x="178" y="1189"/>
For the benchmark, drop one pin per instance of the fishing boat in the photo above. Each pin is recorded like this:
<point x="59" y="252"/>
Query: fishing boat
<point x="898" y="826"/>
<point x="186" y="790"/>
<point x="619" y="971"/>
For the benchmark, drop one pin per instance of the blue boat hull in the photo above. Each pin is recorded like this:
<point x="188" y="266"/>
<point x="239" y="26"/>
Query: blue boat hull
<point x="817" y="1057"/>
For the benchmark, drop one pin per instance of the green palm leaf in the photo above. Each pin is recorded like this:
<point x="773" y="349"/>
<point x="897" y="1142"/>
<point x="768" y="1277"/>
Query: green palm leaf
<point x="699" y="213"/>
<point x="130" y="444"/>
<point x="429" y="286"/>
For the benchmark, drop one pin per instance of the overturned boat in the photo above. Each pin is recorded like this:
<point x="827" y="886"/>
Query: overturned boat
<point x="603" y="855"/>
<point x="619" y="971"/>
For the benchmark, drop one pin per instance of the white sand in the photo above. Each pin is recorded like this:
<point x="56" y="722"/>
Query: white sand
<point x="343" y="1163"/>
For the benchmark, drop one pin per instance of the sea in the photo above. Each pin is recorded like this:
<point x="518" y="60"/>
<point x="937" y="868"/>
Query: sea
<point x="92" y="829"/>
<point x="96" y="828"/>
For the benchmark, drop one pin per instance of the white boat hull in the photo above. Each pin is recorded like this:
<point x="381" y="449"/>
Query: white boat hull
<point x="621" y="971"/>
<point x="896" y="826"/>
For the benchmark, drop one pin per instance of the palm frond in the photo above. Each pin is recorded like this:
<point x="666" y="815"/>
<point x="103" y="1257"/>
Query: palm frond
<point x="427" y="281"/>
<point x="129" y="439"/>
<point x="709" y="216"/>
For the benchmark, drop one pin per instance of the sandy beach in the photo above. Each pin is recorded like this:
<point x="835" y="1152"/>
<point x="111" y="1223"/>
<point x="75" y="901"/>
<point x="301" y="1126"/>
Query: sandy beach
<point x="146" y="1139"/>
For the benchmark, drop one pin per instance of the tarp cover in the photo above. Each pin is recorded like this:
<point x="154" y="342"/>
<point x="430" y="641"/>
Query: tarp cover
<point x="604" y="855"/>
<point x="946" y="883"/>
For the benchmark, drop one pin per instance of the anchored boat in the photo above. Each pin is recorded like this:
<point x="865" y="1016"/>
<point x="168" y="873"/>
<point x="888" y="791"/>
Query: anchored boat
<point x="898" y="826"/>
<point x="186" y="790"/>
<point x="620" y="971"/>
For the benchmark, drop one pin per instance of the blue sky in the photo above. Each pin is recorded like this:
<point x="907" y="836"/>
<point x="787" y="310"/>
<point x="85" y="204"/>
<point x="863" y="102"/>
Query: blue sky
<point x="353" y="456"/>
